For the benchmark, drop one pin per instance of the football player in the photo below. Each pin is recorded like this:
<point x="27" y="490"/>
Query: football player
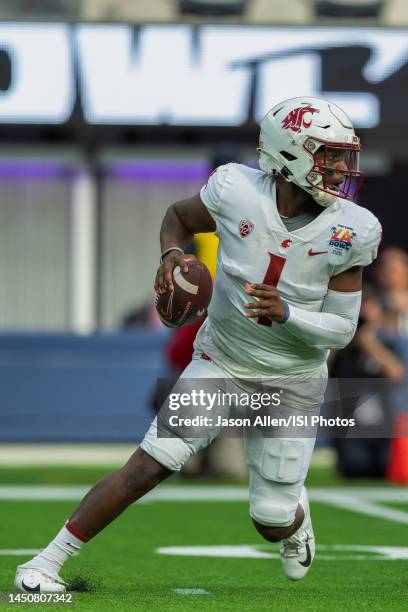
<point x="292" y="248"/>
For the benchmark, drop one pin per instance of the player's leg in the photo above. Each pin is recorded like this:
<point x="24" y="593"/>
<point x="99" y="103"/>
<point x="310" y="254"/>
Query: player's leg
<point x="279" y="506"/>
<point x="114" y="493"/>
<point x="104" y="502"/>
<point x="156" y="459"/>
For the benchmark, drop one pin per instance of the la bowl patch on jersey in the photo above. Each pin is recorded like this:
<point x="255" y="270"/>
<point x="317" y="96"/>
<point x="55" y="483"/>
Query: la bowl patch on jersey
<point x="341" y="239"/>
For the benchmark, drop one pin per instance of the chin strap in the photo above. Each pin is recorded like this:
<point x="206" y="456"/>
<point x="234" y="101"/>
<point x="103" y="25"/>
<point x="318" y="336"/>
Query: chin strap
<point x="321" y="197"/>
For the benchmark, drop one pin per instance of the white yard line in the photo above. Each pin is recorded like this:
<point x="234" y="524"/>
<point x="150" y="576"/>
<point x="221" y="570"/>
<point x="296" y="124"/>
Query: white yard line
<point x="384" y="494"/>
<point x="355" y="503"/>
<point x="13" y="455"/>
<point x="363" y="501"/>
<point x="33" y="492"/>
<point x="165" y="493"/>
<point x="195" y="591"/>
<point x="205" y="493"/>
<point x="256" y="551"/>
<point x="350" y="498"/>
<point x="18" y="552"/>
<point x="25" y="454"/>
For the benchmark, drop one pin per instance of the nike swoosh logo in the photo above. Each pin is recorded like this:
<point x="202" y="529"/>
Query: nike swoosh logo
<point x="308" y="559"/>
<point x="311" y="252"/>
<point x="35" y="589"/>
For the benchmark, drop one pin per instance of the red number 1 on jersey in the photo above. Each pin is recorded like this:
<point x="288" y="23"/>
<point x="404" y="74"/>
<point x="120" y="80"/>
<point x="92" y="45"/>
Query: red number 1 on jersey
<point x="272" y="276"/>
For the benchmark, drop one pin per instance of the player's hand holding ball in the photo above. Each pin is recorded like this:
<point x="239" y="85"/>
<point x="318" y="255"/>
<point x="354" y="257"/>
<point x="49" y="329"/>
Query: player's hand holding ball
<point x="184" y="288"/>
<point x="164" y="276"/>
<point x="269" y="303"/>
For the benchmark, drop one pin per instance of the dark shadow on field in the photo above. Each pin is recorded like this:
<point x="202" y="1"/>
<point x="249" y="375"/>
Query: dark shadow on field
<point x="83" y="584"/>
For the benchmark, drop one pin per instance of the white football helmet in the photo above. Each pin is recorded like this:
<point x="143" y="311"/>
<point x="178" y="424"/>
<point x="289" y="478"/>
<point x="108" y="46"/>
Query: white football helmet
<point x="294" y="131"/>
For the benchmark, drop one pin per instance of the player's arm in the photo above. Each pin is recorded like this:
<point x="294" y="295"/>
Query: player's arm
<point x="336" y="324"/>
<point x="182" y="220"/>
<point x="349" y="281"/>
<point x="333" y="327"/>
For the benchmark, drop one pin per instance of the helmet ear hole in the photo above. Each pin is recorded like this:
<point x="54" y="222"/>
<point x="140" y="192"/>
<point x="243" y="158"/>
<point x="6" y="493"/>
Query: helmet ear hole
<point x="288" y="156"/>
<point x="286" y="173"/>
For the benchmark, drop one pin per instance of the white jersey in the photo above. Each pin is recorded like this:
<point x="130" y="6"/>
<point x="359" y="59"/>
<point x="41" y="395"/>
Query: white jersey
<point x="256" y="247"/>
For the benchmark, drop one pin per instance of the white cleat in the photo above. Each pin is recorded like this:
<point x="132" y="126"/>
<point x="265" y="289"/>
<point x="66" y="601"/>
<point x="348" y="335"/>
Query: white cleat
<point x="298" y="551"/>
<point x="36" y="580"/>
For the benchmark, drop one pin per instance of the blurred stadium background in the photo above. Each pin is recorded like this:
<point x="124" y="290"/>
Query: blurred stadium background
<point x="109" y="112"/>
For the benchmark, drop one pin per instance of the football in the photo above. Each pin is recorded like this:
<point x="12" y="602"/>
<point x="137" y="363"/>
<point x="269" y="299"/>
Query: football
<point x="190" y="298"/>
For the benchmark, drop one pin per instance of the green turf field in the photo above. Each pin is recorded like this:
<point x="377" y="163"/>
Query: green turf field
<point x="124" y="571"/>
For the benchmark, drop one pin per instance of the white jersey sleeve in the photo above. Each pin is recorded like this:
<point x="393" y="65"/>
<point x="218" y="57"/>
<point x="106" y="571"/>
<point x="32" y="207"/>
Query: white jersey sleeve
<point x="211" y="194"/>
<point x="365" y="244"/>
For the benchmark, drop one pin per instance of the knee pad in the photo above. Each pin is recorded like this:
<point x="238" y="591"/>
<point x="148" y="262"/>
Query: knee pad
<point x="277" y="459"/>
<point x="269" y="511"/>
<point x="277" y="471"/>
<point x="282" y="460"/>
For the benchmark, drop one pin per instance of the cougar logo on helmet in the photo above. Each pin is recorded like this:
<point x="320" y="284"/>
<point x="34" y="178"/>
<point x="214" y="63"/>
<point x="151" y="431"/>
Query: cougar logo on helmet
<point x="295" y="120"/>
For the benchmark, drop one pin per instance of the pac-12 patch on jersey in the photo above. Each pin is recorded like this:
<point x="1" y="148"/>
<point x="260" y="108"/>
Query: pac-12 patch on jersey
<point x="245" y="227"/>
<point x="341" y="238"/>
